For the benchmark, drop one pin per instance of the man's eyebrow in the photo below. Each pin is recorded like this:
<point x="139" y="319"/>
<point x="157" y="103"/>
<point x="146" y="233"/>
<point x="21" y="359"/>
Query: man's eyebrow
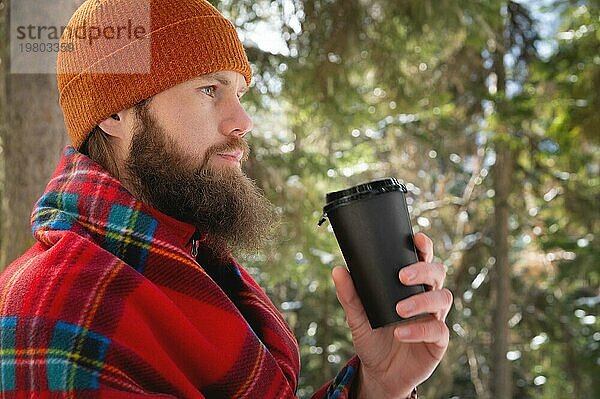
<point x="224" y="80"/>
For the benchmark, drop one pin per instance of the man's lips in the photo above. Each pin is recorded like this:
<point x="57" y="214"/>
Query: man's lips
<point x="235" y="156"/>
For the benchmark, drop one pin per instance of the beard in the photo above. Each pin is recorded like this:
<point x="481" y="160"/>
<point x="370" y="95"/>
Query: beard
<point x="224" y="205"/>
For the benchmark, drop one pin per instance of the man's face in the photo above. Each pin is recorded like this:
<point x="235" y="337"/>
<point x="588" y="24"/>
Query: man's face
<point x="204" y="112"/>
<point x="184" y="159"/>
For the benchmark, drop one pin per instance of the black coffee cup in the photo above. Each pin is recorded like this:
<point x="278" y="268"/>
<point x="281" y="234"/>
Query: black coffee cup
<point x="373" y="229"/>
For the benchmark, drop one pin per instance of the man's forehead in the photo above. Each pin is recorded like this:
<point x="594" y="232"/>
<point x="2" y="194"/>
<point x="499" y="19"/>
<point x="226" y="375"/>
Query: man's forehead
<point x="226" y="78"/>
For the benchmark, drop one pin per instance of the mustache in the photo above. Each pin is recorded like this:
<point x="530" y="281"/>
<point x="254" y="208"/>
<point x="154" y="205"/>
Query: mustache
<point x="234" y="144"/>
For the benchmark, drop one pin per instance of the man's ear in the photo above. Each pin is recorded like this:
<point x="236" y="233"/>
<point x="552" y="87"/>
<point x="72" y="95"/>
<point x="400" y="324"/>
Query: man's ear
<point x="114" y="126"/>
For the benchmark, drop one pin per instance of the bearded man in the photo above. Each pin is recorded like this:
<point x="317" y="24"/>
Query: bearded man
<point x="131" y="290"/>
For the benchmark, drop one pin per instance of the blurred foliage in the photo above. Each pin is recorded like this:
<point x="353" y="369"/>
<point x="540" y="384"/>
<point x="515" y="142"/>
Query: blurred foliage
<point x="351" y="90"/>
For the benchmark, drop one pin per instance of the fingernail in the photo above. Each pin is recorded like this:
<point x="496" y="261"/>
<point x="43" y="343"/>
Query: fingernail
<point x="408" y="274"/>
<point x="407" y="306"/>
<point x="402" y="332"/>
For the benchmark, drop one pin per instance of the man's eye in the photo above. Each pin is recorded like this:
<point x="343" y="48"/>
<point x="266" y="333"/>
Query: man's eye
<point x="208" y="90"/>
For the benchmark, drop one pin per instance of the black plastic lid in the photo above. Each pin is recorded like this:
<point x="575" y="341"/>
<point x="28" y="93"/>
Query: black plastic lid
<point x="342" y="197"/>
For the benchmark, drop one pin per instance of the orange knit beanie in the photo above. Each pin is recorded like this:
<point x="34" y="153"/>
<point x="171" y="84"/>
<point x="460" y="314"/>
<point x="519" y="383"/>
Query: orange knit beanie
<point x="115" y="53"/>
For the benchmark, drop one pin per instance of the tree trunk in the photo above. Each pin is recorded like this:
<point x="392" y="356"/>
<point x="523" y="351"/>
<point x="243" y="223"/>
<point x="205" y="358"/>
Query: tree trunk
<point x="32" y="141"/>
<point x="32" y="133"/>
<point x="4" y="51"/>
<point x="502" y="381"/>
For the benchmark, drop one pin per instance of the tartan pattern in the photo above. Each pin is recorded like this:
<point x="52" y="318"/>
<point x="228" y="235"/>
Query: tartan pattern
<point x="125" y="241"/>
<point x="7" y="353"/>
<point x="73" y="358"/>
<point x="342" y="380"/>
<point x="109" y="303"/>
<point x="70" y="340"/>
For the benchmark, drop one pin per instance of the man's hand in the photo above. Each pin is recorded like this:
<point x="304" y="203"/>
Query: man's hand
<point x="397" y="358"/>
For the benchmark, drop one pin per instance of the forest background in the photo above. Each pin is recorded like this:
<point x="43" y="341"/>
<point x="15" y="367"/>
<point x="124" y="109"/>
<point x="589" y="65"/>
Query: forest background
<point x="488" y="111"/>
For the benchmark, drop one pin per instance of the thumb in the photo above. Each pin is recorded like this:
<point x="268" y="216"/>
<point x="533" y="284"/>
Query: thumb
<point x="346" y="293"/>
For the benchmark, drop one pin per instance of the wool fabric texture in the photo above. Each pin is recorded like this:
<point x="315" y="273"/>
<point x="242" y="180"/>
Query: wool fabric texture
<point x="119" y="52"/>
<point x="110" y="303"/>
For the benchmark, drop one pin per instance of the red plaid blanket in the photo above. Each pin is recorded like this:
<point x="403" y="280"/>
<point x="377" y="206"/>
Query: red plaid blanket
<point x="109" y="303"/>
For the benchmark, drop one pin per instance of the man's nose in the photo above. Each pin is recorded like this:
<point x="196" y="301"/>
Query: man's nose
<point x="237" y="122"/>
